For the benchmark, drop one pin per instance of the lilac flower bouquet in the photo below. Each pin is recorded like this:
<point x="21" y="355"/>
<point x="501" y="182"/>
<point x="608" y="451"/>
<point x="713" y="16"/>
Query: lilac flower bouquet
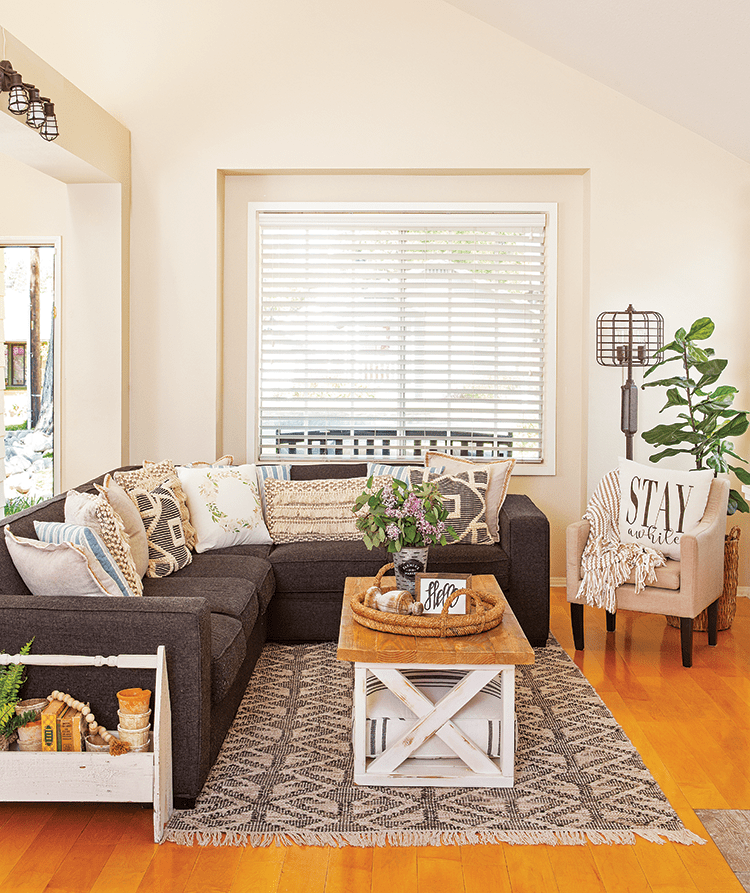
<point x="399" y="516"/>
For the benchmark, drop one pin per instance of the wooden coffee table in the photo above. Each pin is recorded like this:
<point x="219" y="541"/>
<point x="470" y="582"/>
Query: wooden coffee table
<point x="481" y="657"/>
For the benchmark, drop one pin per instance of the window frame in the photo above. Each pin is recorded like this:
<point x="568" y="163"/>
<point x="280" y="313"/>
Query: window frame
<point x="550" y="209"/>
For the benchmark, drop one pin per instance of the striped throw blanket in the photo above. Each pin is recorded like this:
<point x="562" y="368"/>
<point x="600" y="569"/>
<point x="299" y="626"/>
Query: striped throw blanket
<point x="607" y="562"/>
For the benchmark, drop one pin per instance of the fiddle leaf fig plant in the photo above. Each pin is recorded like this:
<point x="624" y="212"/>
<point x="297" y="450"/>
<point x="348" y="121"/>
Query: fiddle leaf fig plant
<point x="706" y="422"/>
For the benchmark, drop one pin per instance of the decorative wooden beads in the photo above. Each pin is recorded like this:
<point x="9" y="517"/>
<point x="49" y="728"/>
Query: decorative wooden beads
<point x="85" y="710"/>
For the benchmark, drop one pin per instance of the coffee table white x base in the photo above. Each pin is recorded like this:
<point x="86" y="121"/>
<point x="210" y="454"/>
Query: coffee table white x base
<point x="472" y="766"/>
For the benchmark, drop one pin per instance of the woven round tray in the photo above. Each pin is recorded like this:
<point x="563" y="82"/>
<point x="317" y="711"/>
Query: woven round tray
<point x="486" y="612"/>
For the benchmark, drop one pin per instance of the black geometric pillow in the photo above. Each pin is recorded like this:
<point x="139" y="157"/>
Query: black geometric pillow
<point x="464" y="495"/>
<point x="160" y="510"/>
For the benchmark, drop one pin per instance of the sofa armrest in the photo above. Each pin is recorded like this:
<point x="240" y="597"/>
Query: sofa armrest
<point x="524" y="537"/>
<point x="118" y="625"/>
<point x="702" y="553"/>
<point x="576" y="535"/>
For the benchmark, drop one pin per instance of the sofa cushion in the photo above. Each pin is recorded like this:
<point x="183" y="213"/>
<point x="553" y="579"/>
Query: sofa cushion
<point x="256" y="574"/>
<point x="327" y="471"/>
<point x="308" y="567"/>
<point x="667" y="576"/>
<point x="228" y="651"/>
<point x="465" y="558"/>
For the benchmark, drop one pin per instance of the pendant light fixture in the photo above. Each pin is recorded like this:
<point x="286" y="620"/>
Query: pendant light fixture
<point x="24" y="99"/>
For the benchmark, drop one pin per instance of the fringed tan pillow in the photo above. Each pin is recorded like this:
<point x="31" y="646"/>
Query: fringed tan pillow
<point x="148" y="477"/>
<point x="300" y="511"/>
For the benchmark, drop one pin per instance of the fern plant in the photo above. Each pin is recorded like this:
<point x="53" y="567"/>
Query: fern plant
<point x="12" y="677"/>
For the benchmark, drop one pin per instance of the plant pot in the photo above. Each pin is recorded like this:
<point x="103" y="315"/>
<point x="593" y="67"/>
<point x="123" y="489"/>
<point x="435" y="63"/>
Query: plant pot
<point x="407" y="564"/>
<point x="134" y="700"/>
<point x="727" y="606"/>
<point x="35" y="704"/>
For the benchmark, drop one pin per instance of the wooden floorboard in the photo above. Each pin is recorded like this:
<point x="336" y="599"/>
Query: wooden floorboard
<point x="689" y="725"/>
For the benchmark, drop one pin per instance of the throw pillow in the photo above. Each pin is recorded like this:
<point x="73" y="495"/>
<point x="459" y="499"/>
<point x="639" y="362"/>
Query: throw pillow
<point x="299" y="511"/>
<point x="499" y="471"/>
<point x="270" y="472"/>
<point x="160" y="509"/>
<point x="100" y="561"/>
<point x="148" y="477"/>
<point x="122" y="505"/>
<point x="400" y="472"/>
<point x="52" y="569"/>
<point x="223" y="460"/>
<point x="658" y="505"/>
<point x="464" y="495"/>
<point x="87" y="510"/>
<point x="224" y="504"/>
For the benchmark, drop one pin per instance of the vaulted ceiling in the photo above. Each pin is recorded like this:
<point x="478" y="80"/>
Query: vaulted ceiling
<point x="688" y="60"/>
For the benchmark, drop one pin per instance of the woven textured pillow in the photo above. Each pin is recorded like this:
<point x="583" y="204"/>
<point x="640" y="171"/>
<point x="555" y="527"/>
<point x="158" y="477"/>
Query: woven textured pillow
<point x="148" y="477"/>
<point x="87" y="510"/>
<point x="160" y="510"/>
<point x="499" y="471"/>
<point x="101" y="563"/>
<point x="135" y="532"/>
<point x="306" y="511"/>
<point x="464" y="495"/>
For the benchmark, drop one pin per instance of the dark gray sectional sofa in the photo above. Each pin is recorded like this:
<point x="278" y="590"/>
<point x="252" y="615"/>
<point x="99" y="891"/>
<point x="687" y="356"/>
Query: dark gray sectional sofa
<point x="214" y="616"/>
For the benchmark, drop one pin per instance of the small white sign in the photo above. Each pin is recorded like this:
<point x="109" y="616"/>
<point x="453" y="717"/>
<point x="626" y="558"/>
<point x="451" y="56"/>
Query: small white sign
<point x="433" y="590"/>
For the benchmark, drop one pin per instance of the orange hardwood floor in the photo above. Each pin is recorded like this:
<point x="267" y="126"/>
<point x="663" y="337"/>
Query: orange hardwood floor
<point x="692" y="728"/>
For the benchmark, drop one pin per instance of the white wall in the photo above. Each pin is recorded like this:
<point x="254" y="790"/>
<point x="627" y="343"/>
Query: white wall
<point x="401" y="85"/>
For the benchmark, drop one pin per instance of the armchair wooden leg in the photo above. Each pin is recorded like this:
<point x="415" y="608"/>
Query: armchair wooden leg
<point x="576" y="621"/>
<point x="686" y="640"/>
<point x="713" y="622"/>
<point x="611" y="621"/>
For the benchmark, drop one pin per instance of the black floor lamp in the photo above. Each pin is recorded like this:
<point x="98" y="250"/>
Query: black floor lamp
<point x="629" y="338"/>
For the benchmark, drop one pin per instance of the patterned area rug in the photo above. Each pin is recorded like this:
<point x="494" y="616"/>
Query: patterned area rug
<point x="284" y="774"/>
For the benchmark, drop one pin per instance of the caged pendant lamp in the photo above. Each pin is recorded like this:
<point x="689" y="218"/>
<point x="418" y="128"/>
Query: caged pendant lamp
<point x="627" y="339"/>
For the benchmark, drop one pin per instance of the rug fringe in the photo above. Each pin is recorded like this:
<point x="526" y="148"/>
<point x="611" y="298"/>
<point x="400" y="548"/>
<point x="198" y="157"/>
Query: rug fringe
<point x="428" y="838"/>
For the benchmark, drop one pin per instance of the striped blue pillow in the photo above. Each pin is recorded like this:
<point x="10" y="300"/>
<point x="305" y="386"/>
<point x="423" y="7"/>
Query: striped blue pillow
<point x="101" y="563"/>
<point x="270" y="473"/>
<point x="396" y="471"/>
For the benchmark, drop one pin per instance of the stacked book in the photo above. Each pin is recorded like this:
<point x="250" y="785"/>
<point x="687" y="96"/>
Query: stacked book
<point x="63" y="728"/>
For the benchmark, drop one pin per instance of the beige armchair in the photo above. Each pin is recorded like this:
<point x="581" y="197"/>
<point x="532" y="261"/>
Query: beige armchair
<point x="683" y="588"/>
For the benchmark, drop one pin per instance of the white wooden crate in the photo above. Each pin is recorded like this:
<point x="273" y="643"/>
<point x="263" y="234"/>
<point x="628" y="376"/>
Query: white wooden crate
<point x="132" y="777"/>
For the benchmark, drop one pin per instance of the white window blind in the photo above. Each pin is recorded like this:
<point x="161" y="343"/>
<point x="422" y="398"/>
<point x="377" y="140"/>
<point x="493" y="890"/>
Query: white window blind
<point x="386" y="334"/>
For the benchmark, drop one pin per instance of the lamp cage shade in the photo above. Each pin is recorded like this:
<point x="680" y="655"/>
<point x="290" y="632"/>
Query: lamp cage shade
<point x="18" y="101"/>
<point x="49" y="129"/>
<point x="628" y="337"/>
<point x="35" y="115"/>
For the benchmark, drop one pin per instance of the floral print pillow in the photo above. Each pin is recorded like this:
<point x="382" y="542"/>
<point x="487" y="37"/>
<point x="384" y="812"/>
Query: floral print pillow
<point x="225" y="506"/>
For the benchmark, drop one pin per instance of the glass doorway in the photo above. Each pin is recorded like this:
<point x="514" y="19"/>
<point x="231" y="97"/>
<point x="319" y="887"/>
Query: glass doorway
<point x="27" y="289"/>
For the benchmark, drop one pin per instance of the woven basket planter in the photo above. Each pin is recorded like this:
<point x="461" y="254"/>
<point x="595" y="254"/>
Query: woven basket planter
<point x="727" y="606"/>
<point x="485" y="613"/>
